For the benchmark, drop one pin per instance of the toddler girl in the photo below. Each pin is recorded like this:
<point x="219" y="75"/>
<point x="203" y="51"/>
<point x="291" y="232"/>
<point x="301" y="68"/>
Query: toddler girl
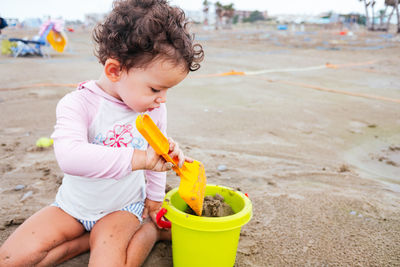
<point x="114" y="182"/>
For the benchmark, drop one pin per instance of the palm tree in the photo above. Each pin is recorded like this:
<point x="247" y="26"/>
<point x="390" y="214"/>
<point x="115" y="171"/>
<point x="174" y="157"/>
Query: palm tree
<point x="373" y="14"/>
<point x="388" y="3"/>
<point x="395" y="5"/>
<point x="228" y="12"/>
<point x="206" y="5"/>
<point x="219" y="13"/>
<point x="366" y="4"/>
<point x="382" y="14"/>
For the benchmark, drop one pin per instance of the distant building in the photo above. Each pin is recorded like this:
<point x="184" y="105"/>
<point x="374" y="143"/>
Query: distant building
<point x="351" y="18"/>
<point x="195" y="15"/>
<point x="335" y="18"/>
<point x="12" y="22"/>
<point x="324" y="18"/>
<point x="92" y="19"/>
<point x="32" y="23"/>
<point x="244" y="14"/>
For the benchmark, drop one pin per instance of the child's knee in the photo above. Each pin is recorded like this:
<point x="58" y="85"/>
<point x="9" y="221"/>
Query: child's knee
<point x="150" y="228"/>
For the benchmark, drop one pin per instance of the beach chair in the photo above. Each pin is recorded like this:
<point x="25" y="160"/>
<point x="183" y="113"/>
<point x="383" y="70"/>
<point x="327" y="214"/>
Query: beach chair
<point x="28" y="47"/>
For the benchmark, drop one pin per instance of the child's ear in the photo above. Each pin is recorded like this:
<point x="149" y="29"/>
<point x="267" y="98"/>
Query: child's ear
<point x="112" y="69"/>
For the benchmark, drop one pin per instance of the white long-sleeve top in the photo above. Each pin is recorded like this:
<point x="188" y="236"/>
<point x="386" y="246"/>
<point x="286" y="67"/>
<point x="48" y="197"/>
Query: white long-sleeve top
<point x="94" y="140"/>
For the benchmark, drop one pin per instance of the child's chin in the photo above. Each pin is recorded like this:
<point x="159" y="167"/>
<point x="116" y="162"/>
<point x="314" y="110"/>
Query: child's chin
<point x="140" y="110"/>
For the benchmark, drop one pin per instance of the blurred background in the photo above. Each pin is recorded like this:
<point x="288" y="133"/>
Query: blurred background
<point x="374" y="14"/>
<point x="296" y="103"/>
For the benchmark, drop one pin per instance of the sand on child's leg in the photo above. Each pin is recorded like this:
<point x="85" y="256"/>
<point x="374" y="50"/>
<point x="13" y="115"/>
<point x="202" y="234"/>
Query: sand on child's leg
<point x="48" y="237"/>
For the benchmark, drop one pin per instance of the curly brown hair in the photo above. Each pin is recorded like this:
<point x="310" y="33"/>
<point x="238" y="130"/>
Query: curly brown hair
<point x="138" y="31"/>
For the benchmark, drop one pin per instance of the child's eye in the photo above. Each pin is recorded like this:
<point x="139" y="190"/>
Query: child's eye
<point x="155" y="90"/>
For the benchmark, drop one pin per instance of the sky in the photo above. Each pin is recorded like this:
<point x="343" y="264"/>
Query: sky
<point x="75" y="9"/>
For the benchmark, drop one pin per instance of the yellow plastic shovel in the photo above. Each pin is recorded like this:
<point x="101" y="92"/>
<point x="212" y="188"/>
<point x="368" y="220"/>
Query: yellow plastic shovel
<point x="57" y="40"/>
<point x="193" y="177"/>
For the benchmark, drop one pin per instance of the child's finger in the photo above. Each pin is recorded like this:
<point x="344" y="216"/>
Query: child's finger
<point x="171" y="144"/>
<point x="175" y="151"/>
<point x="188" y="159"/>
<point x="153" y="216"/>
<point x="168" y="166"/>
<point x="181" y="158"/>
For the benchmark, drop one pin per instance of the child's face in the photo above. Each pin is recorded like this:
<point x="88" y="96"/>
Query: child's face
<point x="145" y="89"/>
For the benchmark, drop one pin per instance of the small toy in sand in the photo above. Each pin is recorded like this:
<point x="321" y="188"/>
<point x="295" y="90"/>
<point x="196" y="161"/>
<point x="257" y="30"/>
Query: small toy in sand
<point x="44" y="142"/>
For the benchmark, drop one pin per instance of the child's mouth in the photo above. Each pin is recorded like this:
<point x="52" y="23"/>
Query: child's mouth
<point x="150" y="109"/>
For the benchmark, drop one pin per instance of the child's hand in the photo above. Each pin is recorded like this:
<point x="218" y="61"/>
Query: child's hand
<point x="149" y="160"/>
<point x="176" y="153"/>
<point x="155" y="162"/>
<point x="151" y="209"/>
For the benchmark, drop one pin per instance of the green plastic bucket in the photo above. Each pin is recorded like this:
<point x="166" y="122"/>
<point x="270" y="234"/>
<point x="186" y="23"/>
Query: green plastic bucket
<point x="206" y="241"/>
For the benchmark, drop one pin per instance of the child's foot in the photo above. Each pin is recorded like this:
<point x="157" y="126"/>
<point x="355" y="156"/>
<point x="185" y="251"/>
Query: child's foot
<point x="164" y="234"/>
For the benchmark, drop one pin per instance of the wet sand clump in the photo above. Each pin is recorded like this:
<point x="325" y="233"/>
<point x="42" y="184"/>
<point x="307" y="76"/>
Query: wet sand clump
<point x="213" y="206"/>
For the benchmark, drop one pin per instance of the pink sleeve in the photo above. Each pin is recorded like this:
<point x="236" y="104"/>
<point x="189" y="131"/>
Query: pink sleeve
<point x="155" y="189"/>
<point x="74" y="154"/>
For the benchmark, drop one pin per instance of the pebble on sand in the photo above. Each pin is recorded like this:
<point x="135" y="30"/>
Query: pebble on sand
<point x="19" y="187"/>
<point x="222" y="168"/>
<point x="26" y="195"/>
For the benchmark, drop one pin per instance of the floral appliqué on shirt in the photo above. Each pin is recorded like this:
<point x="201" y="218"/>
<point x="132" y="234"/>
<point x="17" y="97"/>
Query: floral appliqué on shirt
<point x="120" y="135"/>
<point x="137" y="141"/>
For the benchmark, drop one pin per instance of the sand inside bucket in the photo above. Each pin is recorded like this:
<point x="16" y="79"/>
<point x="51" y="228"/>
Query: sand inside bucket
<point x="213" y="206"/>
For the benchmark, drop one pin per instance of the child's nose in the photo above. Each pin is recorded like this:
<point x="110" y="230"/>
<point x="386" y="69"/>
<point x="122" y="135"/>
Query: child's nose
<point x="162" y="98"/>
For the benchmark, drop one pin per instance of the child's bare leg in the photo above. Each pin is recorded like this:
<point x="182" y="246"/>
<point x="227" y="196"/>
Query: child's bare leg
<point x="110" y="237"/>
<point x="48" y="233"/>
<point x="143" y="241"/>
<point x="118" y="240"/>
<point x="66" y="251"/>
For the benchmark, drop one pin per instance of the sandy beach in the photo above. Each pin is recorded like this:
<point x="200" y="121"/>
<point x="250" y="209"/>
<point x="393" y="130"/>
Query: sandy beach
<point x="311" y="132"/>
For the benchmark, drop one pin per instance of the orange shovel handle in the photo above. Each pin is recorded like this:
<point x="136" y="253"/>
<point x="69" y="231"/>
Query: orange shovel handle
<point x="193" y="178"/>
<point x="156" y="139"/>
<point x="175" y="166"/>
